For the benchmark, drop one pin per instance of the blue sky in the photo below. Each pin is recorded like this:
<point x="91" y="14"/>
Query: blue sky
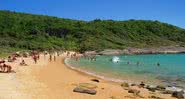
<point x="169" y="11"/>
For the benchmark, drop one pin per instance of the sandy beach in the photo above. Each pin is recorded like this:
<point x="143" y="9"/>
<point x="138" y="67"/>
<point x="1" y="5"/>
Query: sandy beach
<point x="54" y="80"/>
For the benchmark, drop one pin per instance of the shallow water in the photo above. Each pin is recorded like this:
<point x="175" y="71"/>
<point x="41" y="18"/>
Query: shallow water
<point x="171" y="71"/>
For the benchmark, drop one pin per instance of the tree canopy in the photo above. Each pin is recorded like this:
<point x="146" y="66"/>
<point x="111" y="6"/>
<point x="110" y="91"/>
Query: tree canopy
<point x="28" y="31"/>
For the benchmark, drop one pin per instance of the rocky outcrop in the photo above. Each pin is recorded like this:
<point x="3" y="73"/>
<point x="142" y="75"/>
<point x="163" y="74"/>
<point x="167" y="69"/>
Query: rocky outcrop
<point x="141" y="85"/>
<point x="178" y="95"/>
<point x="160" y="50"/>
<point x="88" y="53"/>
<point x="154" y="97"/>
<point x="134" y="91"/>
<point x="124" y="84"/>
<point x="151" y="88"/>
<point x="113" y="52"/>
<point x="175" y="92"/>
<point x="160" y="87"/>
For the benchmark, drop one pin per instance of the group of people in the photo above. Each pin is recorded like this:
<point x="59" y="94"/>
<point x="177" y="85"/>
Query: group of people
<point x="4" y="68"/>
<point x="52" y="58"/>
<point x="12" y="58"/>
<point x="90" y="57"/>
<point x="138" y="63"/>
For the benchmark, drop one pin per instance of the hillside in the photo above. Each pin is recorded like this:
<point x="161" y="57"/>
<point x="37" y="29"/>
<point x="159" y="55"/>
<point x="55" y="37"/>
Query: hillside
<point x="28" y="31"/>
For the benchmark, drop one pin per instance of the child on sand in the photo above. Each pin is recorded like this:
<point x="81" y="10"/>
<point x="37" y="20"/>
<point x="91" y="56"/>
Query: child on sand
<point x="23" y="63"/>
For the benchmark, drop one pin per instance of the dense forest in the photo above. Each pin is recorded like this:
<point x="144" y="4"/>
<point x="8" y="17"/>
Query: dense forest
<point x="28" y="31"/>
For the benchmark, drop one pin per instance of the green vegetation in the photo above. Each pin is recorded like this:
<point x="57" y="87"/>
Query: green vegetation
<point x="5" y="51"/>
<point x="28" y="31"/>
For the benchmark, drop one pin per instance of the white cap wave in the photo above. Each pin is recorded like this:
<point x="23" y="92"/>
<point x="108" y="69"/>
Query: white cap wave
<point x="115" y="59"/>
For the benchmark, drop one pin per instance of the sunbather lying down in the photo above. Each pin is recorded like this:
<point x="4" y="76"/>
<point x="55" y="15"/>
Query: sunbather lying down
<point x="23" y="63"/>
<point x="5" y="68"/>
<point x="2" y="61"/>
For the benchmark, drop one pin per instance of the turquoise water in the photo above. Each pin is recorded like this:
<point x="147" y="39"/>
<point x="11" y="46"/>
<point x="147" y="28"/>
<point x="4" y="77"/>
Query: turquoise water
<point x="170" y="72"/>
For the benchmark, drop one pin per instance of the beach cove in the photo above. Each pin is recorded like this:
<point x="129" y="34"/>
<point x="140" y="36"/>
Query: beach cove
<point x="54" y="80"/>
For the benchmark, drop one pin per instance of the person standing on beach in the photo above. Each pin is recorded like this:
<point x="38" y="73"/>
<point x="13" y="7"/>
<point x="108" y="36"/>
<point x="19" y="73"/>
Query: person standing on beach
<point x="50" y="57"/>
<point x="54" y="58"/>
<point x="58" y="53"/>
<point x="38" y="56"/>
<point x="35" y="58"/>
<point x="68" y="53"/>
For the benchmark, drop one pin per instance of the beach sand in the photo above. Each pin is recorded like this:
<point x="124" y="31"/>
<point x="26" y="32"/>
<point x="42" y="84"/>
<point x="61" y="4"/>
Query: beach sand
<point x="53" y="80"/>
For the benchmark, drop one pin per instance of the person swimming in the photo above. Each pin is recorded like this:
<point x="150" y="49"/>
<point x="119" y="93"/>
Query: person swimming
<point x="115" y="59"/>
<point x="158" y="64"/>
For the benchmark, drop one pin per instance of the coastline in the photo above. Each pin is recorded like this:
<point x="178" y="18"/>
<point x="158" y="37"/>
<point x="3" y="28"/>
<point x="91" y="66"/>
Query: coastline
<point x="109" y="80"/>
<point x="93" y="74"/>
<point x="119" y="81"/>
<point x="114" y="80"/>
<point x="54" y="80"/>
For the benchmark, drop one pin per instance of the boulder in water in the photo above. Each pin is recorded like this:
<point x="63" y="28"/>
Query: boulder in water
<point x="151" y="88"/>
<point x="170" y="90"/>
<point x="160" y="87"/>
<point x="173" y="89"/>
<point x="167" y="92"/>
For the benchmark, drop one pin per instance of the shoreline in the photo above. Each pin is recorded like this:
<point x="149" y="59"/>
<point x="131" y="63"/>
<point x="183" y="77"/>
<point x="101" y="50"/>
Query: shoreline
<point x="54" y="80"/>
<point x="86" y="73"/>
<point x="114" y="80"/>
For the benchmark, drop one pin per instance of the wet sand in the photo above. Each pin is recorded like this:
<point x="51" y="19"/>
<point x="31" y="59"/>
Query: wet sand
<point x="53" y="80"/>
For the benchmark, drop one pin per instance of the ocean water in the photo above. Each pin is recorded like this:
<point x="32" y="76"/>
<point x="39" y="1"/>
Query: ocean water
<point x="171" y="71"/>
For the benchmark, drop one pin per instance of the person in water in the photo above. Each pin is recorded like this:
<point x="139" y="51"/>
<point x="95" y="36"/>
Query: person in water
<point x="128" y="63"/>
<point x="138" y="63"/>
<point x="158" y="64"/>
